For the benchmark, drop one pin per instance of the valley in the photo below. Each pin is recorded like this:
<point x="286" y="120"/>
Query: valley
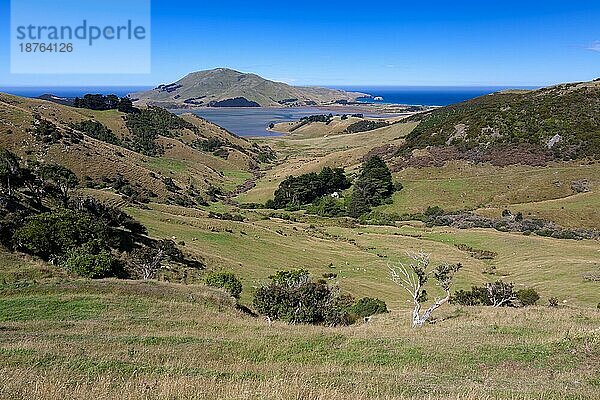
<point x="206" y="191"/>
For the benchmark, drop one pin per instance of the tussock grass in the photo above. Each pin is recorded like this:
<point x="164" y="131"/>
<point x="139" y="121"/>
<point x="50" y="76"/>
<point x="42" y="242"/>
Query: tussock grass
<point x="156" y="341"/>
<point x="257" y="248"/>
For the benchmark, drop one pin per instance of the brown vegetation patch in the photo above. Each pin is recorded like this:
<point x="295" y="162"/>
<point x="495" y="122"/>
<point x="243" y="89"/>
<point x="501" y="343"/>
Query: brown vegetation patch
<point x="500" y="156"/>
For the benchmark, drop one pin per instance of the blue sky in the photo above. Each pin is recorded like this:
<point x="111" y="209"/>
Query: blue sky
<point x="340" y="43"/>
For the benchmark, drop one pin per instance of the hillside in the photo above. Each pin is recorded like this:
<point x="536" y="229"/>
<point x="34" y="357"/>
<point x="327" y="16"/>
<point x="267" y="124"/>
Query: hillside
<point x="84" y="339"/>
<point x="65" y="336"/>
<point x="533" y="127"/>
<point x="223" y="87"/>
<point x="153" y="152"/>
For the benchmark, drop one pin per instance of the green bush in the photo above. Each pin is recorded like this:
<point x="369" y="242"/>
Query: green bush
<point x="52" y="234"/>
<point x="528" y="297"/>
<point x="227" y="281"/>
<point x="292" y="296"/>
<point x="477" y="296"/>
<point x="87" y="262"/>
<point x="327" y="206"/>
<point x="368" y="306"/>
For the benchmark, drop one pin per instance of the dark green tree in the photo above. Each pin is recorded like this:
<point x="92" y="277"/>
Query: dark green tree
<point x="52" y="234"/>
<point x="357" y="204"/>
<point x="375" y="181"/>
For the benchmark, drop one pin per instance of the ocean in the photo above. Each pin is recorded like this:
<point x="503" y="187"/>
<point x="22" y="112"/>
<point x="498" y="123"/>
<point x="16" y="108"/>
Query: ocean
<point x="426" y="95"/>
<point x="254" y="121"/>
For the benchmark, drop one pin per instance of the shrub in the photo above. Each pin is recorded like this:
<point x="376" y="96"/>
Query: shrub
<point x="434" y="211"/>
<point x="327" y="206"/>
<point x="553" y="302"/>
<point x="86" y="261"/>
<point x="497" y="294"/>
<point x="293" y="297"/>
<point x="226" y="216"/>
<point x="477" y="296"/>
<point x="227" y="281"/>
<point x="528" y="297"/>
<point x="368" y="306"/>
<point x="52" y="234"/>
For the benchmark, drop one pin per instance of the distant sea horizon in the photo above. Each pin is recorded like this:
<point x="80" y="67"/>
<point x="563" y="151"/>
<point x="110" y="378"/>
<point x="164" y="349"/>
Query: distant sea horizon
<point x="409" y="95"/>
<point x="426" y="95"/>
<point x="71" y="91"/>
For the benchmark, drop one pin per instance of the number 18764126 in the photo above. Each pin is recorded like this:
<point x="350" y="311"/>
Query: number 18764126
<point x="46" y="47"/>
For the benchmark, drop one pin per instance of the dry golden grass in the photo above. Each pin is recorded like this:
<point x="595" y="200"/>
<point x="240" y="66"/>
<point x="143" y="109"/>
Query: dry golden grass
<point x="258" y="247"/>
<point x="96" y="159"/>
<point x="133" y="340"/>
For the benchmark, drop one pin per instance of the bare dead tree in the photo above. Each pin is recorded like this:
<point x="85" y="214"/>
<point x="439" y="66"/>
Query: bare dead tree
<point x="413" y="278"/>
<point x="501" y="294"/>
<point x="147" y="261"/>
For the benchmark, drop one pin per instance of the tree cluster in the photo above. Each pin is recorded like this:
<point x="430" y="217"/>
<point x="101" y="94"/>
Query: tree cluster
<point x="296" y="191"/>
<point x="39" y="216"/>
<point x="100" y="102"/>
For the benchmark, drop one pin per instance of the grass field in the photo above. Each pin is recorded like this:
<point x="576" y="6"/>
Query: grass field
<point x="258" y="247"/>
<point x="145" y="340"/>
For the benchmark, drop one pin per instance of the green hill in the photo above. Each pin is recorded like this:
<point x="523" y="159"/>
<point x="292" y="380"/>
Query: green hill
<point x="160" y="155"/>
<point x="529" y="127"/>
<point x="224" y="87"/>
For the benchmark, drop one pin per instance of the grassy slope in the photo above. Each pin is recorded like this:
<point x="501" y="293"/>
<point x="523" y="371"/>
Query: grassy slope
<point x="135" y="340"/>
<point x="96" y="159"/>
<point x="541" y="191"/>
<point x="256" y="248"/>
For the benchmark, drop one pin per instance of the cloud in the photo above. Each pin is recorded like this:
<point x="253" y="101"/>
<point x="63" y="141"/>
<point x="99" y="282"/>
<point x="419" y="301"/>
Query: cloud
<point x="594" y="46"/>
